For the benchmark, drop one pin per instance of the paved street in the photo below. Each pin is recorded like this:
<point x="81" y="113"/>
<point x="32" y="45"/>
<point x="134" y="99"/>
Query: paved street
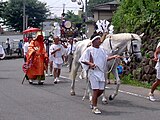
<point x="53" y="102"/>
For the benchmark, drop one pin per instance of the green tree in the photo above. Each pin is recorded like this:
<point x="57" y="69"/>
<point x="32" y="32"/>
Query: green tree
<point x="13" y="13"/>
<point x="72" y="17"/>
<point x="137" y="15"/>
<point x="77" y="21"/>
<point x="2" y="6"/>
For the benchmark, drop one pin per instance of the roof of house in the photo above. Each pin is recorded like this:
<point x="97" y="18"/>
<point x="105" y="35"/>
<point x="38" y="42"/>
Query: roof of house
<point x="106" y="6"/>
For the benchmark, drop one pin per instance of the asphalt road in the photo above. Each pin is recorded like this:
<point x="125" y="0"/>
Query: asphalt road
<point x="53" y="101"/>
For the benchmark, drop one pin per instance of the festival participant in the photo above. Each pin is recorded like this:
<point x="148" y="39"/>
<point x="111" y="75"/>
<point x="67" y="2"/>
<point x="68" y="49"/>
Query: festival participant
<point x="157" y="82"/>
<point x="20" y="48"/>
<point x="57" y="51"/>
<point x="70" y="51"/>
<point x="25" y="47"/>
<point x="36" y="59"/>
<point x="65" y="46"/>
<point x="50" y="58"/>
<point x="94" y="59"/>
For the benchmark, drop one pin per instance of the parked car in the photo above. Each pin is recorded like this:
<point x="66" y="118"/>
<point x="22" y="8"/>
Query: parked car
<point x="13" y="47"/>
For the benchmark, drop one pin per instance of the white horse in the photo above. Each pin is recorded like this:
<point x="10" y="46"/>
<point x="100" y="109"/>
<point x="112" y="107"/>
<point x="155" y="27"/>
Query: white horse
<point x="114" y="44"/>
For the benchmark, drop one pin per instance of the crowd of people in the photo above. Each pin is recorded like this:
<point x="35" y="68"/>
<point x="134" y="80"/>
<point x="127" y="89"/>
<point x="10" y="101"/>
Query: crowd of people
<point x="61" y="53"/>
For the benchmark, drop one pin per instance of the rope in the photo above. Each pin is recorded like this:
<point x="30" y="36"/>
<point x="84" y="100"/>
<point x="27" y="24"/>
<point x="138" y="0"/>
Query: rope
<point x="110" y="69"/>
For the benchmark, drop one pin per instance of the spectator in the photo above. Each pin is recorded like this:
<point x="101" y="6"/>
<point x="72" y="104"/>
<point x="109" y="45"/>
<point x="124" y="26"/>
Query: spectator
<point x="8" y="46"/>
<point x="20" y="47"/>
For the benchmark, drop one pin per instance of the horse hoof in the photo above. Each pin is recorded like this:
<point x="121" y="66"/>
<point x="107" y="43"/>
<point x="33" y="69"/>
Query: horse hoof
<point x="73" y="94"/>
<point x="104" y="102"/>
<point x="110" y="97"/>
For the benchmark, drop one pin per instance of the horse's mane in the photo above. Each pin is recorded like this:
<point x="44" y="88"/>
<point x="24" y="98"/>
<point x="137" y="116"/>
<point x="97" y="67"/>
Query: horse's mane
<point x="123" y="36"/>
<point x="117" y="40"/>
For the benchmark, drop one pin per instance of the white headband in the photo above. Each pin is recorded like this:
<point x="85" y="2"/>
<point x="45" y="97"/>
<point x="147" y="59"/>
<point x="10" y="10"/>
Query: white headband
<point x="95" y="38"/>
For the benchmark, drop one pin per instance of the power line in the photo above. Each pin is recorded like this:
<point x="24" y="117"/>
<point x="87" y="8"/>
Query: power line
<point x="62" y="7"/>
<point x="56" y="8"/>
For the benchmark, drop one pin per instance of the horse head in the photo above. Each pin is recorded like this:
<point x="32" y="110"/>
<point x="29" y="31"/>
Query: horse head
<point x="126" y="44"/>
<point x="134" y="47"/>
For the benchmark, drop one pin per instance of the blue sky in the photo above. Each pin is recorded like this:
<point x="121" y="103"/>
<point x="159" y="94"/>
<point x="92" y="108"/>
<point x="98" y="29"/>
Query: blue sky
<point x="56" y="6"/>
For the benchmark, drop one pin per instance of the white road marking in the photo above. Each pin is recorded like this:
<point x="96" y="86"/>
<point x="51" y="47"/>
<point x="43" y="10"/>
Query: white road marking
<point x="121" y="91"/>
<point x="66" y="78"/>
<point x="133" y="94"/>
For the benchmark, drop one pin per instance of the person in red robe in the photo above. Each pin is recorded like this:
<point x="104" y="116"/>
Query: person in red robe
<point x="37" y="60"/>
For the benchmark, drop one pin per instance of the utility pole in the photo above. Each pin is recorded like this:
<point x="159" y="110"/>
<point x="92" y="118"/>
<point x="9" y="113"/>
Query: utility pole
<point x="63" y="14"/>
<point x="24" y="15"/>
<point x="26" y="21"/>
<point x="63" y="8"/>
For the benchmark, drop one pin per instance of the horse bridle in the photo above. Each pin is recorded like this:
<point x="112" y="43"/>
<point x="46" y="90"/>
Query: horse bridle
<point x="132" y="46"/>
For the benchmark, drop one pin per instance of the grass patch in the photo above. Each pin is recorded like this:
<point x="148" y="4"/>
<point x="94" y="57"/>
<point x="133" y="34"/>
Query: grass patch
<point x="129" y="81"/>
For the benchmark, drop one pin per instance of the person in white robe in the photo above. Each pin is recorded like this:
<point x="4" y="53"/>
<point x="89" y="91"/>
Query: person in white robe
<point x="157" y="67"/>
<point x="2" y="53"/>
<point x="57" y="52"/>
<point x="94" y="59"/>
<point x="50" y="58"/>
<point x="70" y="51"/>
<point x="25" y="47"/>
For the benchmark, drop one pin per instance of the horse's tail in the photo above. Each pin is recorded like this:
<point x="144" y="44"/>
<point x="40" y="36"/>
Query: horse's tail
<point x="80" y="47"/>
<point x="74" y="68"/>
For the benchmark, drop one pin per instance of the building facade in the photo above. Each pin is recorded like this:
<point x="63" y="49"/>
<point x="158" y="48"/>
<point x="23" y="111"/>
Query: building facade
<point x="103" y="11"/>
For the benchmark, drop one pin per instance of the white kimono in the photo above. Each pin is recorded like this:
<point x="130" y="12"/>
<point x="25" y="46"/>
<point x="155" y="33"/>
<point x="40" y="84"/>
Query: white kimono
<point x="57" y="57"/>
<point x="25" y="48"/>
<point x="99" y="56"/>
<point x="157" y="67"/>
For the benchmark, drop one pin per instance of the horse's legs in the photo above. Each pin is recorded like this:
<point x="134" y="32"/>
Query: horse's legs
<point x="73" y="75"/>
<point x="104" y="100"/>
<point x="83" y="74"/>
<point x="115" y="73"/>
<point x="88" y="87"/>
<point x="89" y="91"/>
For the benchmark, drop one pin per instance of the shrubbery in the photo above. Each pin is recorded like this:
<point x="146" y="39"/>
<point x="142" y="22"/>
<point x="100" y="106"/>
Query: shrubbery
<point x="137" y="16"/>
